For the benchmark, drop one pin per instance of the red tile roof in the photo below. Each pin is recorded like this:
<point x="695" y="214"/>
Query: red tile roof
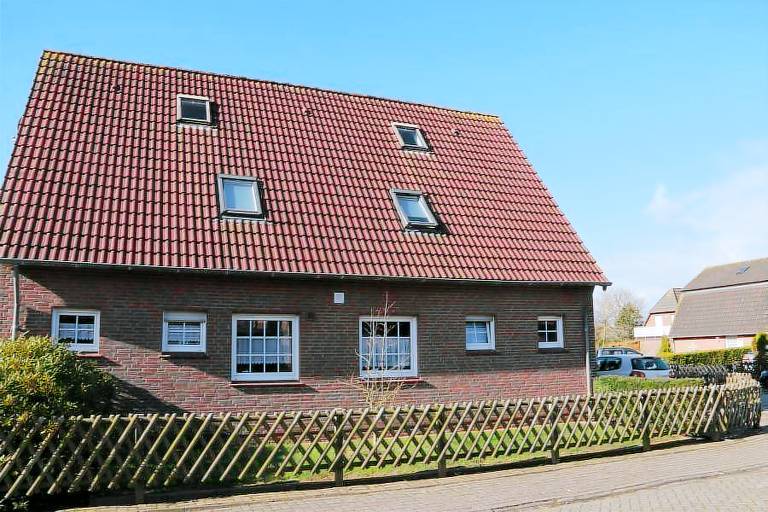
<point x="102" y="174"/>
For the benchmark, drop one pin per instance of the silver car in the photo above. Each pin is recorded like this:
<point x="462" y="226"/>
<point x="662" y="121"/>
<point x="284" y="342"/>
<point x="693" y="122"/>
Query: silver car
<point x="633" y="365"/>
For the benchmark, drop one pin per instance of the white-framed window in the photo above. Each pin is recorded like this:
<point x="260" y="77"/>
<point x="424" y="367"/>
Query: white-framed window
<point x="265" y="347"/>
<point x="410" y="136"/>
<point x="550" y="332"/>
<point x="193" y="109"/>
<point x="413" y="209"/>
<point x="388" y="346"/>
<point x="78" y="328"/>
<point x="239" y="195"/>
<point x="184" y="332"/>
<point x="481" y="333"/>
<point x="733" y="342"/>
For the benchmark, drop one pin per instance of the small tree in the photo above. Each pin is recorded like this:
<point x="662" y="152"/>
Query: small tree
<point x="39" y="378"/>
<point x="629" y="316"/>
<point x="375" y="386"/>
<point x="760" y="348"/>
<point x="665" y="348"/>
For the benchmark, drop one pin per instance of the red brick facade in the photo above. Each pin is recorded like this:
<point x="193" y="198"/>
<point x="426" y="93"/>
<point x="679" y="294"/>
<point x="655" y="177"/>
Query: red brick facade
<point x="132" y="304"/>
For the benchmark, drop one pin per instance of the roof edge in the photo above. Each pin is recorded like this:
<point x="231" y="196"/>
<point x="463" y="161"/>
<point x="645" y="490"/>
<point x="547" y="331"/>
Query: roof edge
<point x="47" y="52"/>
<point x="294" y="275"/>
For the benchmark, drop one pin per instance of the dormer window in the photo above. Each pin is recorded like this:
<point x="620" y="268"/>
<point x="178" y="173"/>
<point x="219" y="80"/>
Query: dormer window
<point x="411" y="137"/>
<point x="413" y="209"/>
<point x="193" y="109"/>
<point x="240" y="196"/>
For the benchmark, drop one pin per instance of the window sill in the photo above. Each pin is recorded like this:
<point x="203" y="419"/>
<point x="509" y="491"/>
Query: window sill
<point x="266" y="384"/>
<point x="89" y="355"/>
<point x="480" y="351"/>
<point x="552" y="350"/>
<point x="393" y="380"/>
<point x="183" y="355"/>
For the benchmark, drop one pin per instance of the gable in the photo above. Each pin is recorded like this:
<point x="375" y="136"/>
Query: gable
<point x="103" y="174"/>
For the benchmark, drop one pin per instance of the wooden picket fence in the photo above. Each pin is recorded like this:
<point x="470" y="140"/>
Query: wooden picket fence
<point x="120" y="452"/>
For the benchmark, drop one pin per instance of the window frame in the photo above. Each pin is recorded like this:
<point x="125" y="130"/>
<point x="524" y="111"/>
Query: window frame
<point x="189" y="120"/>
<point x="293" y="376"/>
<point x="78" y="347"/>
<point x="413" y="371"/>
<point x="491" y="344"/>
<point x="432" y="220"/>
<point x="182" y="316"/>
<point x="257" y="196"/>
<point x="560" y="343"/>
<point x="425" y="146"/>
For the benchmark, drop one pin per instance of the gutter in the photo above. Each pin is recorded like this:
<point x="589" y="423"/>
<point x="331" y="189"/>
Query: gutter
<point x="16" y="301"/>
<point x="295" y="275"/>
<point x="587" y="351"/>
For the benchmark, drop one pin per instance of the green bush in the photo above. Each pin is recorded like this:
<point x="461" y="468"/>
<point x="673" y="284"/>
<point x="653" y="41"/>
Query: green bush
<point x="665" y="348"/>
<point x="40" y="378"/>
<point x="727" y="356"/>
<point x="760" y="348"/>
<point x="616" y="383"/>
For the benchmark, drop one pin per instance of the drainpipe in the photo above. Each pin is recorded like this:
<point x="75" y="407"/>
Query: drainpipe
<point x="587" y="351"/>
<point x="15" y="282"/>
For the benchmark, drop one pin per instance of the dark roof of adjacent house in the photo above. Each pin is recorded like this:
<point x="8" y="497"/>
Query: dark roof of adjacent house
<point x="103" y="174"/>
<point x="740" y="272"/>
<point x="667" y="303"/>
<point x="733" y="310"/>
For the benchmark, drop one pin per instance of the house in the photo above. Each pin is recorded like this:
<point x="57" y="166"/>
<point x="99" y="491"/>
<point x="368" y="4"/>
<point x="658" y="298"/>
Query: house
<point x="224" y="243"/>
<point x="658" y="322"/>
<point x="722" y="307"/>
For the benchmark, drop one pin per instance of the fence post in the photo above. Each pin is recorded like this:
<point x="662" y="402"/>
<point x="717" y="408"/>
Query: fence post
<point x="338" y="469"/>
<point x="554" y="450"/>
<point x="441" y="469"/>
<point x="646" y="433"/>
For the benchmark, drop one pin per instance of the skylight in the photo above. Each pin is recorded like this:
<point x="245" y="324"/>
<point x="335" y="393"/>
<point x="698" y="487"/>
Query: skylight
<point x="411" y="137"/>
<point x="743" y="270"/>
<point x="413" y="209"/>
<point x="193" y="109"/>
<point x="239" y="195"/>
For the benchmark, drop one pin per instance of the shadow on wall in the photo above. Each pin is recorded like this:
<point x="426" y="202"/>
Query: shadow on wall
<point x="130" y="398"/>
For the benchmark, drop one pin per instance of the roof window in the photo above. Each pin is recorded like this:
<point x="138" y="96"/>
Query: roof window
<point x="411" y="137"/>
<point x="240" y="196"/>
<point x="193" y="109"/>
<point x="413" y="209"/>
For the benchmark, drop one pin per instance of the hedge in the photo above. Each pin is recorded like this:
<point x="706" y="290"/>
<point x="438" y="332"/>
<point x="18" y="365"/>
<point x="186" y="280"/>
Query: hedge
<point x="727" y="356"/>
<point x="616" y="383"/>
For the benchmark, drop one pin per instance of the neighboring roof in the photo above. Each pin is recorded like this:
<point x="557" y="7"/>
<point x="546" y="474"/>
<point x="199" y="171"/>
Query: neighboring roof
<point x="722" y="311"/>
<point x="102" y="174"/>
<point x="667" y="303"/>
<point x="740" y="272"/>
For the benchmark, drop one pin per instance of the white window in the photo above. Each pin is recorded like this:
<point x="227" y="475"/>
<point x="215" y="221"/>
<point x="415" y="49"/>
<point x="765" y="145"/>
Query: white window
<point x="265" y="347"/>
<point x="480" y="333"/>
<point x="413" y="209"/>
<point x="184" y="332"/>
<point x="193" y="109"/>
<point x="78" y="328"/>
<point x="410" y="137"/>
<point x="550" y="332"/>
<point x="733" y="342"/>
<point x="387" y="347"/>
<point x="239" y="195"/>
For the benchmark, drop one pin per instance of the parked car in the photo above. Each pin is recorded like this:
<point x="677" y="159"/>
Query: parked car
<point x="614" y="351"/>
<point x="632" y="365"/>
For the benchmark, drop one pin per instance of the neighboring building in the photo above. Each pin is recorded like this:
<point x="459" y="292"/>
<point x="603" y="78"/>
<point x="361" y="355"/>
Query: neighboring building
<point x="222" y="243"/>
<point x="658" y="323"/>
<point x="723" y="307"/>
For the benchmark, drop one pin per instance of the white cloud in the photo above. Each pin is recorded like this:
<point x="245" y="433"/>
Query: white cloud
<point x="687" y="229"/>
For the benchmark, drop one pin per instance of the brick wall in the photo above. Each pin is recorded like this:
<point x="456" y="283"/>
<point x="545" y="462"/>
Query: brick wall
<point x="132" y="305"/>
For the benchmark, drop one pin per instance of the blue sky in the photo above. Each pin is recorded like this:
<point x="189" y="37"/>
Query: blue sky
<point x="647" y="120"/>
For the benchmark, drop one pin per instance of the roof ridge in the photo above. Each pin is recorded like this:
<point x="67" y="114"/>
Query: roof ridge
<point x="46" y="52"/>
<point x="734" y="263"/>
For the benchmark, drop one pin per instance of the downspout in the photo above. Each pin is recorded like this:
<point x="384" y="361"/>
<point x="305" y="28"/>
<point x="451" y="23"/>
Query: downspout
<point x="15" y="284"/>
<point x="587" y="351"/>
